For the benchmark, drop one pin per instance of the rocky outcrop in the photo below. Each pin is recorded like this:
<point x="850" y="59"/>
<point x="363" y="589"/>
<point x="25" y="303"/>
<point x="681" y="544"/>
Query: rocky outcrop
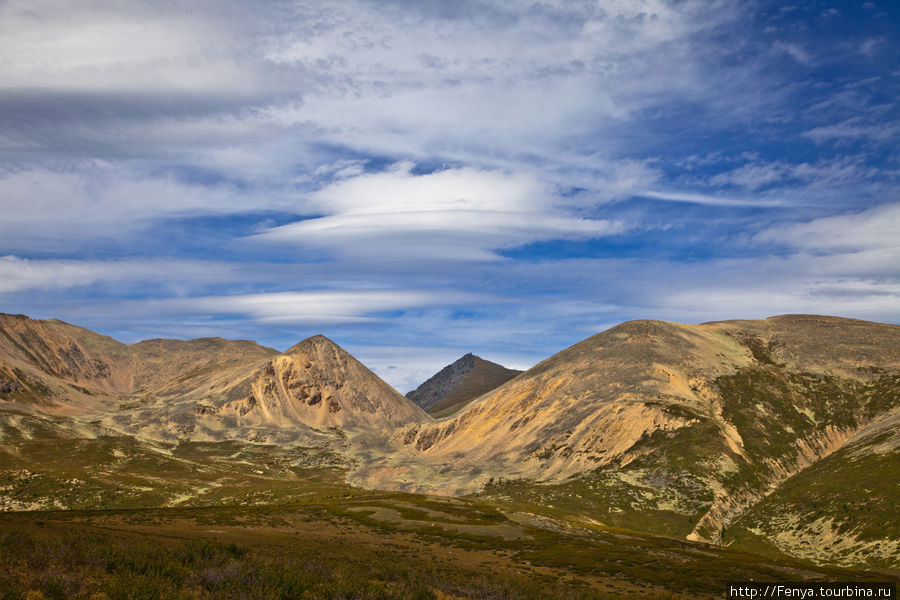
<point x="9" y="386"/>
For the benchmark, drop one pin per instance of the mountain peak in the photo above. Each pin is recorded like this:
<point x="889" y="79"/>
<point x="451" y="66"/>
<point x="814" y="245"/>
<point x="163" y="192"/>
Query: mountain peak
<point x="459" y="383"/>
<point x="318" y="383"/>
<point x="312" y="342"/>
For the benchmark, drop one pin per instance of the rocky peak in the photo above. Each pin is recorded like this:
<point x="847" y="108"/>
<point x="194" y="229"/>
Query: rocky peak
<point x="460" y="382"/>
<point x="318" y="383"/>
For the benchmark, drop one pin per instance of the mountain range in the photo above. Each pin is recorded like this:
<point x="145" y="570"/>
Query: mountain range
<point x="780" y="436"/>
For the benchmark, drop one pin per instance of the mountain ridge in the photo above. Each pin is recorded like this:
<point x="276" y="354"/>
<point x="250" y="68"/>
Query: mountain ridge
<point x="700" y="422"/>
<point x="689" y="431"/>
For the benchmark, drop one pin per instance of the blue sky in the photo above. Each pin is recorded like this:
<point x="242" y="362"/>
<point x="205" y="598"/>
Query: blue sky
<point x="418" y="180"/>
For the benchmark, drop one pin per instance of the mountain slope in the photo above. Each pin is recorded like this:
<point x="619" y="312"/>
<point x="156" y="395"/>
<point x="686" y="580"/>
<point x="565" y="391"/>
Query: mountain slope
<point x="79" y="370"/>
<point x="205" y="389"/>
<point x="676" y="429"/>
<point x="320" y="384"/>
<point x="457" y="384"/>
<point x="716" y="432"/>
<point x="56" y="367"/>
<point x="841" y="510"/>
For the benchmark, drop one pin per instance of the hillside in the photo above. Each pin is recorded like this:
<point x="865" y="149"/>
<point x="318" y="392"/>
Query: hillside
<point x="457" y="384"/>
<point x="318" y="383"/>
<point x="777" y="436"/>
<point x="207" y="389"/>
<point x="63" y="369"/>
<point x="670" y="428"/>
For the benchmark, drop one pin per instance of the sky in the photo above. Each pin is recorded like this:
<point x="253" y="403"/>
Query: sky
<point x="421" y="179"/>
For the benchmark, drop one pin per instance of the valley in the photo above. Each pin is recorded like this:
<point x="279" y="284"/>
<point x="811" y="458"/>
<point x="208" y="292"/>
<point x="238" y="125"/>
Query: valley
<point x="654" y="459"/>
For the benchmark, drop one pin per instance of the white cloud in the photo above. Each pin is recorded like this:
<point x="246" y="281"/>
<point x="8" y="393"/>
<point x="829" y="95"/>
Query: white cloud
<point x="117" y="47"/>
<point x="325" y="306"/>
<point x="313" y="307"/>
<point x="711" y="200"/>
<point x="458" y="214"/>
<point x="812" y="177"/>
<point x="795" y="51"/>
<point x="875" y="228"/>
<point x="508" y="82"/>
<point x="46" y="208"/>
<point x="20" y="275"/>
<point x="854" y="128"/>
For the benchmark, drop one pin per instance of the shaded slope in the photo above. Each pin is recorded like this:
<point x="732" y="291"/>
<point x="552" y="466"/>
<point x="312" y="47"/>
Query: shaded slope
<point x="158" y="389"/>
<point x="457" y="384"/>
<point x="77" y="363"/>
<point x="55" y="367"/>
<point x="841" y="510"/>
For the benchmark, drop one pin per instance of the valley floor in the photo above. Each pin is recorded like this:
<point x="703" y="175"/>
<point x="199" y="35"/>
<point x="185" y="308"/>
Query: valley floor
<point x="366" y="545"/>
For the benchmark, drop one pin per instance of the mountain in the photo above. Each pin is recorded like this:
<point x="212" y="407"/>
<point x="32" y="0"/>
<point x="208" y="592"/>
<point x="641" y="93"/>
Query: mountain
<point x="206" y="389"/>
<point x="457" y="384"/>
<point x="681" y="429"/>
<point x="779" y="436"/>
<point x="320" y="384"/>
<point x="56" y="367"/>
<point x="60" y="368"/>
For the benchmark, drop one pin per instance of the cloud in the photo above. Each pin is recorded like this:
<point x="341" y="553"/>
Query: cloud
<point x="755" y="175"/>
<point x="854" y="128"/>
<point x="21" y="275"/>
<point x="324" y="306"/>
<point x="526" y="139"/>
<point x="317" y="307"/>
<point x="457" y="214"/>
<point x="465" y="85"/>
<point x="795" y="51"/>
<point x="874" y="228"/>
<point x="710" y="200"/>
<point x="50" y="209"/>
<point x="132" y="46"/>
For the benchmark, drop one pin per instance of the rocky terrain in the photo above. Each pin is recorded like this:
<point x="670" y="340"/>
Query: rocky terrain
<point x="457" y="384"/>
<point x="778" y="436"/>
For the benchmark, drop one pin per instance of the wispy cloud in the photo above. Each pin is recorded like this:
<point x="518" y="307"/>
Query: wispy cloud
<point x="320" y="307"/>
<point x="875" y="228"/>
<point x="22" y="275"/>
<point x="712" y="200"/>
<point x="854" y="128"/>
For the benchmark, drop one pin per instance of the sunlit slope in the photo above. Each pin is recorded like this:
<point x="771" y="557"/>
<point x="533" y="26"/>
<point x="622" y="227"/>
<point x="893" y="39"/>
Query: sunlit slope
<point x="666" y="427"/>
<point x="320" y="384"/>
